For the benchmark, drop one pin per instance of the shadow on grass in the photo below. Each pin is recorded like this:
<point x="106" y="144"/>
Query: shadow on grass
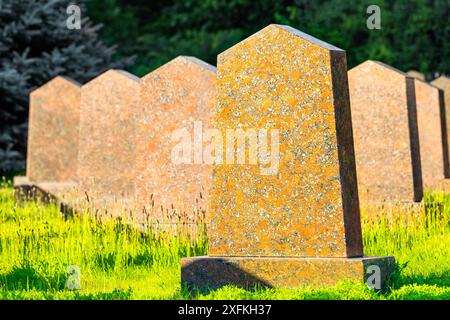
<point x="116" y="294"/>
<point x="27" y="277"/>
<point x="435" y="279"/>
<point x="399" y="278"/>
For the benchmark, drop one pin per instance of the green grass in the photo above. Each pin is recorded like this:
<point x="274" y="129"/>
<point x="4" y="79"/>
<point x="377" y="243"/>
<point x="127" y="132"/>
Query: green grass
<point x="37" y="246"/>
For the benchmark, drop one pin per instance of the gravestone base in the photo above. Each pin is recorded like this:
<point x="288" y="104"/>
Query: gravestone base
<point x="246" y="272"/>
<point x="46" y="192"/>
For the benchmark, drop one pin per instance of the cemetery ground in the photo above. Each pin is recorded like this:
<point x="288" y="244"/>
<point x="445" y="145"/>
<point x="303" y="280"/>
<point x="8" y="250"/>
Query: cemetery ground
<point x="37" y="245"/>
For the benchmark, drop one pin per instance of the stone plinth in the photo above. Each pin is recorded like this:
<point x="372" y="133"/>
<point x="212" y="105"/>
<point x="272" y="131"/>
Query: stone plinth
<point x="212" y="273"/>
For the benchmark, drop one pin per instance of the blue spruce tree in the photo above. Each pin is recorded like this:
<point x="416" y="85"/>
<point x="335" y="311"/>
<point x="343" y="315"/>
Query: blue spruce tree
<point x="35" y="46"/>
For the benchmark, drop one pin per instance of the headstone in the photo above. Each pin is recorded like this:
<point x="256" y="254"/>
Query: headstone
<point x="176" y="107"/>
<point x="416" y="74"/>
<point x="443" y="83"/>
<point x="385" y="132"/>
<point x="107" y="128"/>
<point x="53" y="131"/>
<point x="298" y="222"/>
<point x="432" y="134"/>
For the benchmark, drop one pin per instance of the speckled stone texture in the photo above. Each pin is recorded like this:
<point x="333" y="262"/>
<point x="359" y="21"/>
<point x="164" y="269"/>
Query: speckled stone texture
<point x="432" y="134"/>
<point x="283" y="79"/>
<point x="385" y="134"/>
<point x="172" y="98"/>
<point x="416" y="74"/>
<point x="53" y="131"/>
<point x="212" y="273"/>
<point x="300" y="225"/>
<point x="107" y="127"/>
<point x="443" y="83"/>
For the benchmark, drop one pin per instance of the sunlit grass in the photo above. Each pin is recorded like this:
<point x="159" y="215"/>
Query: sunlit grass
<point x="37" y="245"/>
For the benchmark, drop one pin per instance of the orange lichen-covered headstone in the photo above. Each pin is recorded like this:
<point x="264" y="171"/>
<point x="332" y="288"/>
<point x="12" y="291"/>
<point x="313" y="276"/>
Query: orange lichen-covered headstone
<point x="297" y="223"/>
<point x="53" y="131"/>
<point x="385" y="132"/>
<point x="176" y="103"/>
<point x="107" y="126"/>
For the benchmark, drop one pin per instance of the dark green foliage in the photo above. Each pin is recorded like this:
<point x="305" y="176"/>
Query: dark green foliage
<point x="35" y="46"/>
<point x="414" y="33"/>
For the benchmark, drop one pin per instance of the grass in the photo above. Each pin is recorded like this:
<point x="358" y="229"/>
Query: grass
<point x="37" y="245"/>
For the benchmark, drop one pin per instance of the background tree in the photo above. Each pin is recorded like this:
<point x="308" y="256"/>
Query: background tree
<point x="35" y="46"/>
<point x="414" y="33"/>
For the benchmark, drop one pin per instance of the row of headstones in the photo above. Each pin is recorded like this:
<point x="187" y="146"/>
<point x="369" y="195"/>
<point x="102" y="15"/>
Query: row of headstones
<point x="113" y="135"/>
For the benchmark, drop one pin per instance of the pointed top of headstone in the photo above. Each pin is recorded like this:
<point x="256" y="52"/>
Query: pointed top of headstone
<point x="199" y="62"/>
<point x="59" y="80"/>
<point x="274" y="31"/>
<point x="181" y="60"/>
<point x="375" y="63"/>
<point x="442" y="82"/>
<point x="113" y="73"/>
<point x="416" y="74"/>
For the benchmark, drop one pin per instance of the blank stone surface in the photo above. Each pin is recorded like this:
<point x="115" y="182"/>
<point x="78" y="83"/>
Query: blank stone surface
<point x="432" y="133"/>
<point x="385" y="133"/>
<point x="281" y="78"/>
<point x="173" y="97"/>
<point x="107" y="126"/>
<point x="53" y="131"/>
<point x="443" y="83"/>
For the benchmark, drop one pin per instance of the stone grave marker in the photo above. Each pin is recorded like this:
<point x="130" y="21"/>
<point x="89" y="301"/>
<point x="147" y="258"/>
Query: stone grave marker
<point x="107" y="126"/>
<point x="53" y="131"/>
<point x="298" y="222"/>
<point x="176" y="108"/>
<point x="432" y="134"/>
<point x="443" y="83"/>
<point x="385" y="133"/>
<point x="416" y="74"/>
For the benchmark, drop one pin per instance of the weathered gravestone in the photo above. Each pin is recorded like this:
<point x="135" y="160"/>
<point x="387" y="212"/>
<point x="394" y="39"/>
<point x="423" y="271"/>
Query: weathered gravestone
<point x="107" y="126"/>
<point x="52" y="141"/>
<point x="176" y="108"/>
<point x="416" y="74"/>
<point x="53" y="131"/>
<point x="432" y="135"/>
<point x="443" y="83"/>
<point x="298" y="223"/>
<point x="385" y="132"/>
